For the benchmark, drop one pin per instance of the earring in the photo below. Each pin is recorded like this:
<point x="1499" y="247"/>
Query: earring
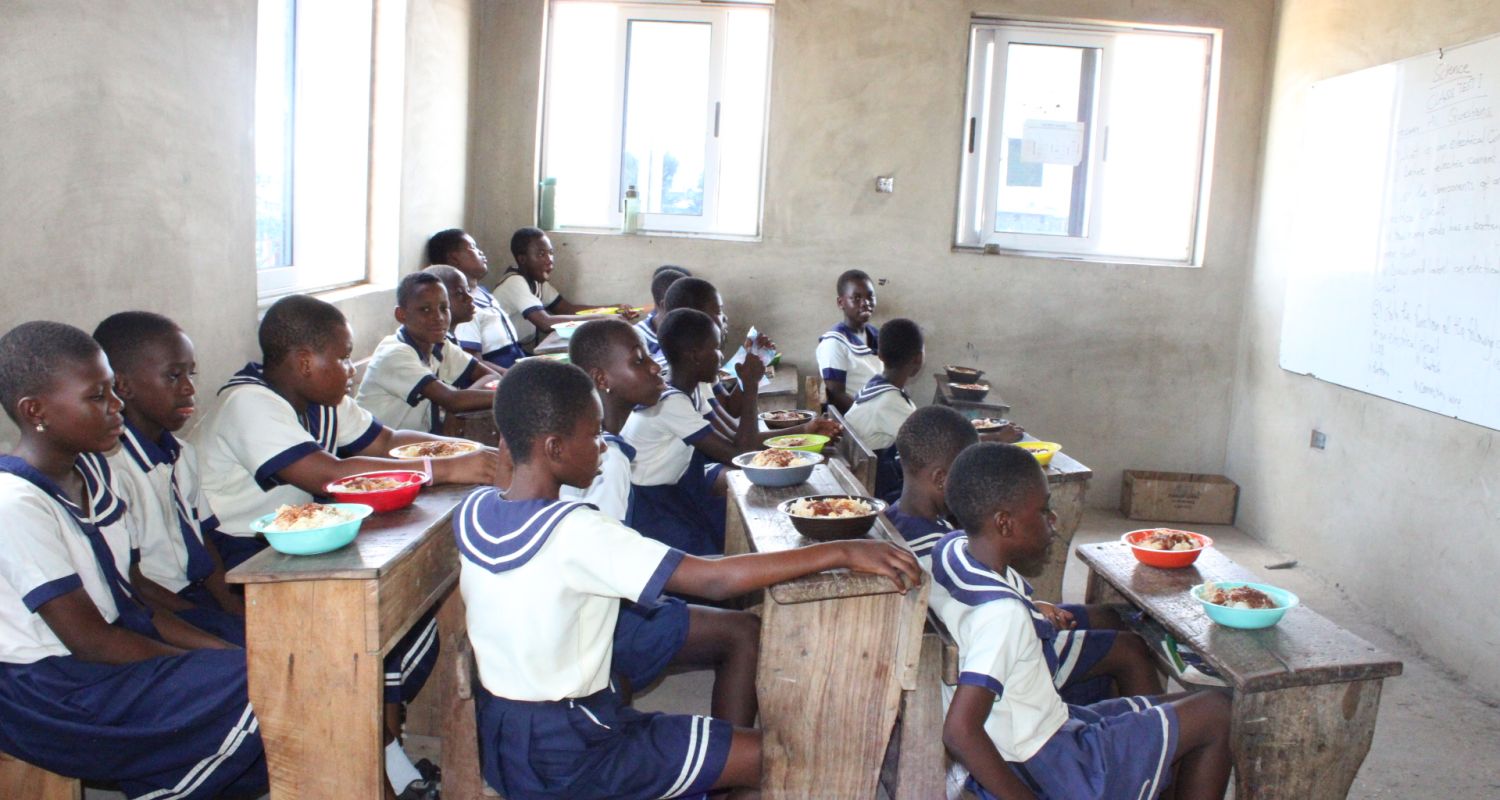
<point x="41" y="427"/>
<point x="606" y="390"/>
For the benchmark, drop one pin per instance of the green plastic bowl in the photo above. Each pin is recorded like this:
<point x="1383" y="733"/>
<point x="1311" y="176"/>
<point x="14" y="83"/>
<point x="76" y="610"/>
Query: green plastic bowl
<point x="1248" y="618"/>
<point x="317" y="540"/>
<point x="812" y="442"/>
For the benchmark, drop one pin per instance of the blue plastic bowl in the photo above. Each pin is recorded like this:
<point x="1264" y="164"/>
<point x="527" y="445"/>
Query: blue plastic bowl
<point x="1248" y="618"/>
<point x="317" y="540"/>
<point x="778" y="476"/>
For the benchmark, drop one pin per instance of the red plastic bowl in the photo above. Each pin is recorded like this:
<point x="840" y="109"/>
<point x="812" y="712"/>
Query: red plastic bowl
<point x="1166" y="559"/>
<point x="388" y="500"/>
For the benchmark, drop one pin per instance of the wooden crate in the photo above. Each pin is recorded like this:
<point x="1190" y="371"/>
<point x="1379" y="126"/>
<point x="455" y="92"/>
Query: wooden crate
<point x="1178" y="497"/>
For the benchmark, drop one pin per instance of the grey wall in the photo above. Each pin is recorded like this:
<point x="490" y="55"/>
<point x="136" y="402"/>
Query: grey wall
<point x="1403" y="508"/>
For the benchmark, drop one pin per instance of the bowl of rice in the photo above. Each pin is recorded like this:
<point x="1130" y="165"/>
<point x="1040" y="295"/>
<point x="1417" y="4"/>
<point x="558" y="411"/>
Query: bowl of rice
<point x="1044" y="451"/>
<point x="308" y="529"/>
<point x="829" y="517"/>
<point x="433" y="449"/>
<point x="777" y="467"/>
<point x="387" y="490"/>
<point x="1243" y="605"/>
<point x="1167" y="548"/>
<point x="776" y="420"/>
<point x="972" y="391"/>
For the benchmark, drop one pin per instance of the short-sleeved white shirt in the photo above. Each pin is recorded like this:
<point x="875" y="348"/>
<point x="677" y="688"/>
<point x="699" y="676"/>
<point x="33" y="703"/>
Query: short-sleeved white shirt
<point x="46" y="553"/>
<point x="517" y="296"/>
<point x="651" y="342"/>
<point x="851" y="356"/>
<point x="878" y="411"/>
<point x="164" y="504"/>
<point x="994" y="625"/>
<point x="391" y="389"/>
<point x="255" y="433"/>
<point x="663" y="436"/>
<point x="489" y="333"/>
<point x="543" y="580"/>
<point x="610" y="492"/>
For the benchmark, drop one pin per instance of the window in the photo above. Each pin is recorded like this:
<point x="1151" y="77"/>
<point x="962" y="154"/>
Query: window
<point x="668" y="98"/>
<point x="324" y="140"/>
<point x="1087" y="141"/>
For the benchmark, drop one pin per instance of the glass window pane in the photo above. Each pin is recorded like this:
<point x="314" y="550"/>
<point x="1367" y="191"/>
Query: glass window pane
<point x="1044" y="155"/>
<point x="667" y="115"/>
<point x="273" y="135"/>
<point x="742" y="121"/>
<point x="582" y="123"/>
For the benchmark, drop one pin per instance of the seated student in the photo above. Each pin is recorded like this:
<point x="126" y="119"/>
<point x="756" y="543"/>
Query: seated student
<point x="177" y="568"/>
<point x="846" y="354"/>
<point x="550" y="722"/>
<point x="525" y="295"/>
<point x="1006" y="722"/>
<point x="488" y="334"/>
<point x="661" y="280"/>
<point x="700" y="295"/>
<point x="93" y="683"/>
<point x="881" y="407"/>
<point x="419" y="372"/>
<point x="1095" y="657"/>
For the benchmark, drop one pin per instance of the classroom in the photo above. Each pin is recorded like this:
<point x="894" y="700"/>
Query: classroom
<point x="155" y="157"/>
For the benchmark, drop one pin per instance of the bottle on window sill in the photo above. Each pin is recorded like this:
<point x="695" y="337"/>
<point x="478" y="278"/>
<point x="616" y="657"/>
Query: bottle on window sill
<point x="631" y="223"/>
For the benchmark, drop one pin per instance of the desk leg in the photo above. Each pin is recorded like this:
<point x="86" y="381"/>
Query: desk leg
<point x="1067" y="502"/>
<point x="916" y="766"/>
<point x="316" y="687"/>
<point x="1305" y="741"/>
<point x="736" y="540"/>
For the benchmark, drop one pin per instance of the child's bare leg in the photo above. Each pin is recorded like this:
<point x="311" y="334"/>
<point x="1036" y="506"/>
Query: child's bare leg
<point x="728" y="642"/>
<point x="742" y="768"/>
<point x="1203" y="758"/>
<point x="1130" y="664"/>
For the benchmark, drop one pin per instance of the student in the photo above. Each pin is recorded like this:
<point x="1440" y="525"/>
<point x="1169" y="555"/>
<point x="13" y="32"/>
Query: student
<point x="661" y="280"/>
<point x="418" y="372"/>
<point x="488" y="334"/>
<point x="551" y="724"/>
<point x="1006" y="722"/>
<point x="700" y="295"/>
<point x="881" y="407"/>
<point x="525" y="295"/>
<point x="846" y="354"/>
<point x="177" y="567"/>
<point x="93" y="684"/>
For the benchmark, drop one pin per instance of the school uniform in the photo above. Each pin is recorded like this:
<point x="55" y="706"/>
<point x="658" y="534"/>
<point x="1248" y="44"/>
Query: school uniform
<point x="649" y="339"/>
<point x="672" y="478"/>
<point x="551" y="724"/>
<point x="518" y="296"/>
<point x="611" y="491"/>
<point x="1112" y="749"/>
<point x="398" y="372"/>
<point x="170" y="727"/>
<point x="876" y="417"/>
<point x="848" y="355"/>
<point x="490" y="333"/>
<point x="921" y="534"/>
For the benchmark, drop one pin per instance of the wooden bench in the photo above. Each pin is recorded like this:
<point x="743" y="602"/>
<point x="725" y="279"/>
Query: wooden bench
<point x="1306" y="692"/>
<point x="23" y="781"/>
<point x="916" y="764"/>
<point x="860" y="459"/>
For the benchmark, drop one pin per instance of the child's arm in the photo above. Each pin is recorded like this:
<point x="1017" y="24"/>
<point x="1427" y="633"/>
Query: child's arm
<point x="77" y="622"/>
<point x="452" y="399"/>
<point x="747" y="436"/>
<point x="722" y="578"/>
<point x="836" y="395"/>
<point x="186" y="635"/>
<point x="314" y="471"/>
<point x="154" y="593"/>
<point x="218" y="587"/>
<point x="965" y="738"/>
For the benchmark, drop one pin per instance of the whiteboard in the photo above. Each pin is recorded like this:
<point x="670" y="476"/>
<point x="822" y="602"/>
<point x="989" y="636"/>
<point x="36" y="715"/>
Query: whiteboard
<point x="1394" y="287"/>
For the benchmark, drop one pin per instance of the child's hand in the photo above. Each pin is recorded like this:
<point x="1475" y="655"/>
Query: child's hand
<point x="825" y="427"/>
<point x="1061" y="618"/>
<point x="629" y="313"/>
<point x="481" y="467"/>
<point x="762" y="341"/>
<point x="882" y="558"/>
<point x="751" y="370"/>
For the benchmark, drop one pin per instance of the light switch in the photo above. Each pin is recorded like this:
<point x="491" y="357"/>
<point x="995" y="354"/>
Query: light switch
<point x="885" y="184"/>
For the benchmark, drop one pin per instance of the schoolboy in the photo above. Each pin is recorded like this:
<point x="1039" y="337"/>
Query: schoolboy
<point x="661" y="280"/>
<point x="488" y="334"/>
<point x="881" y="407"/>
<point x="550" y="723"/>
<point x="526" y="296"/>
<point x="93" y="683"/>
<point x="699" y="294"/>
<point x="847" y="354"/>
<point x="419" y="372"/>
<point x="1006" y="722"/>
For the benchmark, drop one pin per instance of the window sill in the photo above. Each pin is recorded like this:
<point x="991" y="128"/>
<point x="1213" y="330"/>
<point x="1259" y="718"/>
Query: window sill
<point x="648" y="234"/>
<point x="994" y="250"/>
<point x="335" y="295"/>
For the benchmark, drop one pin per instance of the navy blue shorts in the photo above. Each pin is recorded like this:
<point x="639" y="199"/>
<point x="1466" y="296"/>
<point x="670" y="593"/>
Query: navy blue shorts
<point x="411" y="661"/>
<point x="236" y="550"/>
<point x="646" y="639"/>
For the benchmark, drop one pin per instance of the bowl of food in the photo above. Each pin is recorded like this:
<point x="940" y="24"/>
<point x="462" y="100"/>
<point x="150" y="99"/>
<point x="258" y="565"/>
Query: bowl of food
<point x="973" y="391"/>
<point x="434" y="450"/>
<point x="776" y="420"/>
<point x="828" y="517"/>
<point x="1044" y="451"/>
<point x="962" y="374"/>
<point x="777" y="467"/>
<point x="564" y="330"/>
<point x="1167" y="548"/>
<point x="383" y="491"/>
<point x="1248" y="606"/>
<point x="808" y="442"/>
<point x="984" y="425"/>
<point x="311" y="528"/>
<point x="592" y="312"/>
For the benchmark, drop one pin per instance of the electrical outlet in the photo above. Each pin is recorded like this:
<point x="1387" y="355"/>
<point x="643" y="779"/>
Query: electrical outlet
<point x="1319" y="440"/>
<point x="885" y="184"/>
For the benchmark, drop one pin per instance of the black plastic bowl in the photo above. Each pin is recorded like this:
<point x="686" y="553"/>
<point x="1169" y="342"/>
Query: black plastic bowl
<point x="962" y="374"/>
<point x="803" y="417"/>
<point x="826" y="529"/>
<point x="973" y="395"/>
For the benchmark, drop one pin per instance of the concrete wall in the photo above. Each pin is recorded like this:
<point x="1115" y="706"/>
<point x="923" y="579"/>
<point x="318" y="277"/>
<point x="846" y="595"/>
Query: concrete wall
<point x="1127" y="366"/>
<point x="1403" y="508"/>
<point x="127" y="169"/>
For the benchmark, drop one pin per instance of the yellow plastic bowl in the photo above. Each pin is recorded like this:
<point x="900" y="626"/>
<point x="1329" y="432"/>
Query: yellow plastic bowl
<point x="1044" y="451"/>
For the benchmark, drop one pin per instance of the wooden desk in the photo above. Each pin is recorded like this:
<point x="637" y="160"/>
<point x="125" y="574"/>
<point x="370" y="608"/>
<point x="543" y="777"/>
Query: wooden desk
<point x="1068" y="480"/>
<point x="781" y="394"/>
<point x="317" y="628"/>
<point x="551" y="343"/>
<point x="836" y="651"/>
<point x="1306" y="692"/>
<point x="476" y="426"/>
<point x="990" y="406"/>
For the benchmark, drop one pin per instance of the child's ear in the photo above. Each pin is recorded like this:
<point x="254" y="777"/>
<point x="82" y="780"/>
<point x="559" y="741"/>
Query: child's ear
<point x="29" y="412"/>
<point x="552" y="447"/>
<point x="123" y="389"/>
<point x="601" y="380"/>
<point x="1003" y="523"/>
<point x="939" y="478"/>
<point x="303" y="358"/>
<point x="401" y="315"/>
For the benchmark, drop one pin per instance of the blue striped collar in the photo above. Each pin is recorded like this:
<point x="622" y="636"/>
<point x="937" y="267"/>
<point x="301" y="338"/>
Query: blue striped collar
<point x="970" y="580"/>
<point x="623" y="445"/>
<point x="919" y="532"/>
<point x="877" y="386"/>
<point x="321" y="422"/>
<point x="860" y="343"/>
<point x="515" y="271"/>
<point x="500" y="535"/>
<point x="648" y="332"/>
<point x="404" y="336"/>
<point x="104" y="506"/>
<point x="146" y="453"/>
<point x="482" y="297"/>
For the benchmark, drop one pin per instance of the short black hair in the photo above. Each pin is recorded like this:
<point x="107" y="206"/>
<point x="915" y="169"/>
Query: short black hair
<point x="124" y="336"/>
<point x="590" y="346"/>
<point x="683" y="329"/>
<point x="449" y="275"/>
<point x="663" y="280"/>
<point x="933" y="436"/>
<point x="411" y="283"/>
<point x="32" y="353"/>
<point x="987" y="478"/>
<point x="440" y="244"/>
<point x="690" y="293"/>
<point x="849" y="276"/>
<point x="900" y="342"/>
<point x="522" y="239"/>
<point x="664" y="267"/>
<point x="294" y="321"/>
<point x="540" y="398"/>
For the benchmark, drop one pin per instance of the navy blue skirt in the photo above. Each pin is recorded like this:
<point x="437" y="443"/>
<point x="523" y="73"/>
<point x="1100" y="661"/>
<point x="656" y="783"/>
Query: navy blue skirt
<point x="685" y="515"/>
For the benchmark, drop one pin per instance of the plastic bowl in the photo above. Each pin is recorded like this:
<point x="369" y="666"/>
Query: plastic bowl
<point x="811" y="442"/>
<point x="803" y="417"/>
<point x="317" y="540"/>
<point x="778" y="476"/>
<point x="1166" y="559"/>
<point x="409" y="452"/>
<point x="962" y="390"/>
<point x="983" y="425"/>
<point x="1044" y="451"/>
<point x="832" y="529"/>
<point x="564" y="330"/>
<point x="1248" y="618"/>
<point x="962" y="374"/>
<point x="388" y="500"/>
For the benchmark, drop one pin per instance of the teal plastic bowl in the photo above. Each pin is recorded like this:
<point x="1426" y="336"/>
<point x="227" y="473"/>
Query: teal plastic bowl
<point x="317" y="540"/>
<point x="1248" y="618"/>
